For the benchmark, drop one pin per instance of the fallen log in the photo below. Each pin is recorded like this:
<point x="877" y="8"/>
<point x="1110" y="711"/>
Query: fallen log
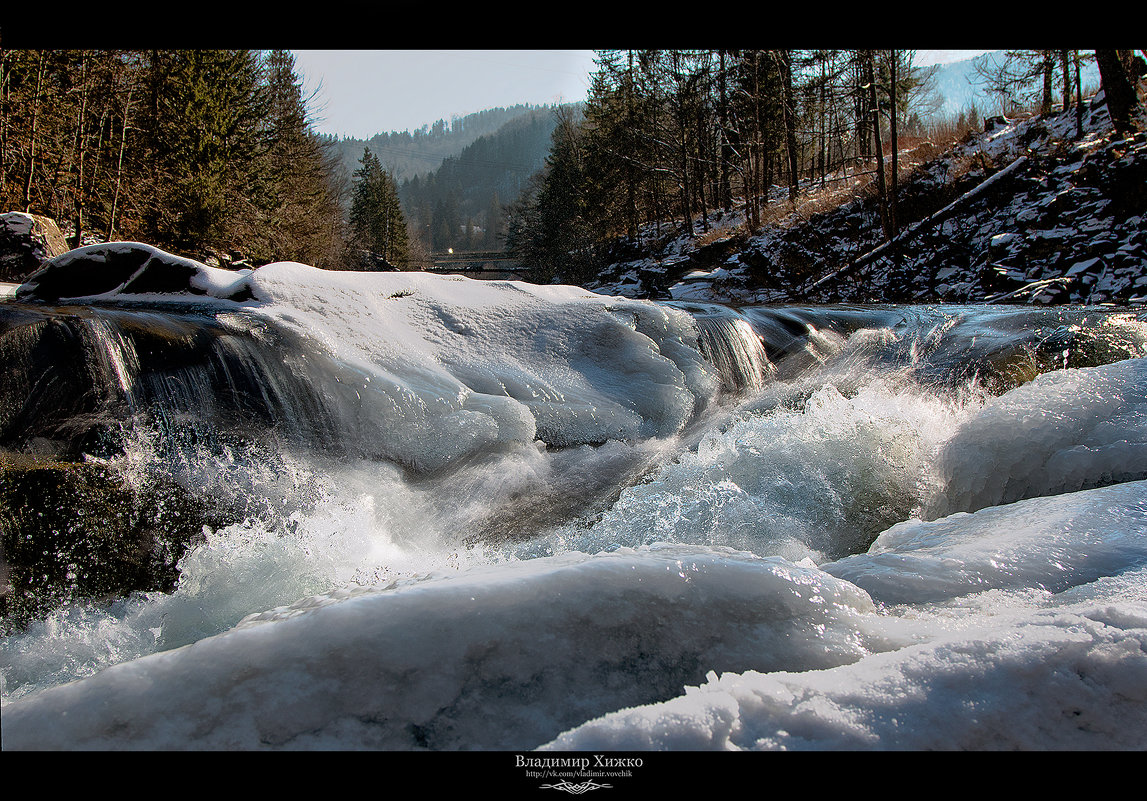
<point x="920" y="226"/>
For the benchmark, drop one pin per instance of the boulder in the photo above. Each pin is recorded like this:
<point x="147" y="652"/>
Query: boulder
<point x="26" y="242"/>
<point x="115" y="269"/>
<point x="104" y="268"/>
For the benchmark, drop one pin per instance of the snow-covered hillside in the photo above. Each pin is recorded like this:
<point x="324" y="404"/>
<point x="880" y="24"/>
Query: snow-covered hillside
<point x="1026" y="211"/>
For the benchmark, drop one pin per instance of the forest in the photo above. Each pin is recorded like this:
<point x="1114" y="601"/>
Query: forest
<point x="211" y="154"/>
<point x="200" y="152"/>
<point x="668" y="136"/>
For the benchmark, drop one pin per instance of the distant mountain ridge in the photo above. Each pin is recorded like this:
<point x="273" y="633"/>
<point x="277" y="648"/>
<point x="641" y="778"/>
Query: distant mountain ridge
<point x="409" y="154"/>
<point x="456" y="179"/>
<point x="962" y="87"/>
<point x="461" y="204"/>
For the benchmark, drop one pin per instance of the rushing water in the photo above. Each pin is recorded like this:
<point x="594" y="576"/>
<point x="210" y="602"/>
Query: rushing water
<point x="485" y="523"/>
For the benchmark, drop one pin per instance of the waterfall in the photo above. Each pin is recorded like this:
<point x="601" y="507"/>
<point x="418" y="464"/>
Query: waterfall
<point x="730" y="343"/>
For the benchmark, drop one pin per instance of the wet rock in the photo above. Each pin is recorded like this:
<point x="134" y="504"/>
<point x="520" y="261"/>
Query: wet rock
<point x="75" y="531"/>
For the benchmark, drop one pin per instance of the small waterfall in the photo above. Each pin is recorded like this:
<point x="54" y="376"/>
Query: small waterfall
<point x="76" y="376"/>
<point x="114" y="355"/>
<point x="730" y="343"/>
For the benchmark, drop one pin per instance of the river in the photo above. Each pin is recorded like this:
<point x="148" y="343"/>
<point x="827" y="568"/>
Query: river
<point x="433" y="513"/>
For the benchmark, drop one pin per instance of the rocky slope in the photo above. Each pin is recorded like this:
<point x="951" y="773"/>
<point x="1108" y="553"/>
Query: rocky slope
<point x="1024" y="212"/>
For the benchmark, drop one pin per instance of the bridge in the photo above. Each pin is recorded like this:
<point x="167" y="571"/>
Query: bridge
<point x="483" y="264"/>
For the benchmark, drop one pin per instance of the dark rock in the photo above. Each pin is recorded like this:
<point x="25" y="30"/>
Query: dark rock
<point x="26" y="242"/>
<point x="111" y="267"/>
<point x="76" y="531"/>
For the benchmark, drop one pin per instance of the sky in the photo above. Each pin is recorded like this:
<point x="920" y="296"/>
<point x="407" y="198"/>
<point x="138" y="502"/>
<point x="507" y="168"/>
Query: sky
<point x="360" y="93"/>
<point x="364" y="92"/>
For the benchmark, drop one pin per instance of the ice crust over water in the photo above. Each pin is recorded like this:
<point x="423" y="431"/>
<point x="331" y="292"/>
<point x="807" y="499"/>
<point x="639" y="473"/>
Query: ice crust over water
<point x="1073" y="678"/>
<point x="449" y="368"/>
<point x="1051" y="544"/>
<point x="519" y="651"/>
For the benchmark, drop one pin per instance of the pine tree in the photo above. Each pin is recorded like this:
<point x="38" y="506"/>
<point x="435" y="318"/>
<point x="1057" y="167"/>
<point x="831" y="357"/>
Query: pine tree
<point x="376" y="219"/>
<point x="206" y="143"/>
<point x="298" y="214"/>
<point x="548" y="231"/>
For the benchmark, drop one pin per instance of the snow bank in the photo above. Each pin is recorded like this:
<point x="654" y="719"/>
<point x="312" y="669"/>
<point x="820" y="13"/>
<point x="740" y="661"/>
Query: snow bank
<point x="1066" y="430"/>
<point x="449" y="366"/>
<point x="1051" y="544"/>
<point x="1071" y="679"/>
<point x="500" y="657"/>
<point x="1031" y="629"/>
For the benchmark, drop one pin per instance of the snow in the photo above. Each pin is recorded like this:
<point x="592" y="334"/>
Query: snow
<point x="1070" y="679"/>
<point x="425" y="358"/>
<point x="491" y="658"/>
<point x="1066" y="430"/>
<point x="429" y="354"/>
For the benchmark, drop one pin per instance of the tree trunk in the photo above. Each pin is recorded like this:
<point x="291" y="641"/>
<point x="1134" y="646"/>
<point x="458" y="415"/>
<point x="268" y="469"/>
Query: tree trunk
<point x="893" y="60"/>
<point x="725" y="191"/>
<point x="81" y="114"/>
<point x="880" y="187"/>
<point x="1048" y="80"/>
<point x="32" y="136"/>
<point x="630" y="177"/>
<point x="786" y="65"/>
<point x="1066" y="80"/>
<point x="119" y="167"/>
<point x="1117" y="90"/>
<point x="1078" y="99"/>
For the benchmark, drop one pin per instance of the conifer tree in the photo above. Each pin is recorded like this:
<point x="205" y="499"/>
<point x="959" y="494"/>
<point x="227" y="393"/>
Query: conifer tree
<point x="376" y="219"/>
<point x="548" y="231"/>
<point x="299" y="213"/>
<point x="206" y="142"/>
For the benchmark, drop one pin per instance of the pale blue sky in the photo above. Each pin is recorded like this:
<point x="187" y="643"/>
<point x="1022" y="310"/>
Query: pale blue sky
<point x="364" y="92"/>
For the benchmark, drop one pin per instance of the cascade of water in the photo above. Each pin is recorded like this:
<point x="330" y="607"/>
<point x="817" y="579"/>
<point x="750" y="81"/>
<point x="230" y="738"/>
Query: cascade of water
<point x="730" y="343"/>
<point x="114" y="357"/>
<point x="736" y="351"/>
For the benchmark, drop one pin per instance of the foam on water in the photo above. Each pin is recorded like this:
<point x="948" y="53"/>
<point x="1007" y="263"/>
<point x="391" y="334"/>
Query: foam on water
<point x="818" y="479"/>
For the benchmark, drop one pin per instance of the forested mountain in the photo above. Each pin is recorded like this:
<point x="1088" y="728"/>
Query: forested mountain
<point x="978" y="81"/>
<point x="461" y="204"/>
<point x="409" y="154"/>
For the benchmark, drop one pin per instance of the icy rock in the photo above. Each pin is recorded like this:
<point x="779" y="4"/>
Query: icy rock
<point x="128" y="268"/>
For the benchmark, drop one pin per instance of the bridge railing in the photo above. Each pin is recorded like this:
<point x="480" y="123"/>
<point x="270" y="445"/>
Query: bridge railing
<point x="475" y="261"/>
